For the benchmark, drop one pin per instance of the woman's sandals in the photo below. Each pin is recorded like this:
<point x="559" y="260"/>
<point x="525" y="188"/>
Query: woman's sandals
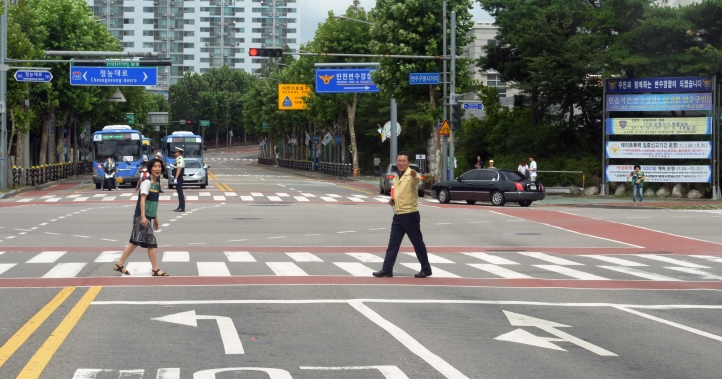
<point x="121" y="269"/>
<point x="159" y="273"/>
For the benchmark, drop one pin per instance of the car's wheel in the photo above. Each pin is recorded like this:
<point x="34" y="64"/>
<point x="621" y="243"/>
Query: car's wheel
<point x="204" y="184"/>
<point x="97" y="185"/>
<point x="498" y="199"/>
<point x="525" y="203"/>
<point x="420" y="193"/>
<point x="443" y="196"/>
<point x="471" y="202"/>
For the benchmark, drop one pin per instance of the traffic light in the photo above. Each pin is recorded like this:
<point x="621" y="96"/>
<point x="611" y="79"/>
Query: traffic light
<point x="185" y="122"/>
<point x="270" y="53"/>
<point x="456" y="119"/>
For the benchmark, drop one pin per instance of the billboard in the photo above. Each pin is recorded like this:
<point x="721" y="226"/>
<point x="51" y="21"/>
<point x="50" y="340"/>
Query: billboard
<point x="664" y="85"/>
<point x="658" y="126"/>
<point x="659" y="150"/>
<point x="659" y="102"/>
<point x="661" y="174"/>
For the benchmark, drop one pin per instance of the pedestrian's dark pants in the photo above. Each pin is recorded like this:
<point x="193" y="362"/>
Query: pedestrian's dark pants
<point x="408" y="224"/>
<point x="181" y="198"/>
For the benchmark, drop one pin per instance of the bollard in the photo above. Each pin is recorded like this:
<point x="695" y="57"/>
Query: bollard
<point x="356" y="172"/>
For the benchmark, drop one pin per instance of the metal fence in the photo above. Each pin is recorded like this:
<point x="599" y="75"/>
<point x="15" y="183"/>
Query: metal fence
<point x="37" y="175"/>
<point x="336" y="169"/>
<point x="328" y="168"/>
<point x="295" y="165"/>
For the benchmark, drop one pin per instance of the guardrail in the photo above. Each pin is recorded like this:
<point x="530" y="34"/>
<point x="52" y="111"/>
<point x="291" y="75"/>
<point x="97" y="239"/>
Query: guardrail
<point x="562" y="189"/>
<point x="37" y="175"/>
<point x="336" y="169"/>
<point x="295" y="164"/>
<point x="266" y="161"/>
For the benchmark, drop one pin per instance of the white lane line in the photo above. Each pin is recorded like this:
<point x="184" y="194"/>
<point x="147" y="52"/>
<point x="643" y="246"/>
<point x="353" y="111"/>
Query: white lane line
<point x="108" y="256"/>
<point x="64" y="270"/>
<point x="355" y="199"/>
<point x="192" y="198"/>
<point x="436" y="271"/>
<point x="212" y="269"/>
<point x="81" y="199"/>
<point x="307" y="194"/>
<point x="640" y="273"/>
<point x="239" y="256"/>
<point x="688" y="270"/>
<point x="615" y="260"/>
<point x="274" y="198"/>
<point x="499" y="271"/>
<point x="200" y="194"/>
<point x="346" y="231"/>
<point x="257" y="194"/>
<point x="6" y="266"/>
<point x="325" y="198"/>
<point x="676" y="262"/>
<point x="53" y="200"/>
<point x="361" y="196"/>
<point x="304" y="257"/>
<point x="286" y="269"/>
<point x="233" y="194"/>
<point x="366" y="257"/>
<point x="495" y="260"/>
<point x="551" y="259"/>
<point x="378" y="229"/>
<point x="301" y="198"/>
<point x="26" y="200"/>
<point x="673" y="324"/>
<point x="433" y="258"/>
<point x="355" y="268"/>
<point x="706" y="257"/>
<point x="219" y="198"/>
<point x="382" y="199"/>
<point x="281" y="194"/>
<point x="46" y="257"/>
<point x="138" y="269"/>
<point x="247" y="198"/>
<point x="409" y="342"/>
<point x="332" y="195"/>
<point x="571" y="272"/>
<point x="176" y="256"/>
<point x="443" y="223"/>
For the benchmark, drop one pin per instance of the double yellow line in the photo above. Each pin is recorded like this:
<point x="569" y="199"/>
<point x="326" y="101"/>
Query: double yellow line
<point x="212" y="176"/>
<point x="42" y="356"/>
<point x="224" y="187"/>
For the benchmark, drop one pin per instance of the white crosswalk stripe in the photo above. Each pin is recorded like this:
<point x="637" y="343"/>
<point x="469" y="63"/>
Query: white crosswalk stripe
<point x="676" y="262"/>
<point x="176" y="256"/>
<point x="499" y="271"/>
<point x="47" y="257"/>
<point x="436" y="271"/>
<point x="108" y="256"/>
<point x="65" y="270"/>
<point x="212" y="269"/>
<point x="354" y="268"/>
<point x="6" y="266"/>
<point x="694" y="271"/>
<point x="239" y="256"/>
<point x="138" y="269"/>
<point x="286" y="269"/>
<point x="366" y="257"/>
<point x="552" y="259"/>
<point x="495" y="260"/>
<point x="639" y="273"/>
<point x="304" y="257"/>
<point x="617" y="261"/>
<point x="433" y="258"/>
<point x="571" y="272"/>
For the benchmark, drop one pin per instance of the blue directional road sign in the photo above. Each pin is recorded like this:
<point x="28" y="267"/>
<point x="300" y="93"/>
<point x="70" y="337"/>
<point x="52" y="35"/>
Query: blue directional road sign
<point x="477" y="106"/>
<point x="113" y="76"/>
<point x="337" y="139"/>
<point x="339" y="80"/>
<point x="422" y="78"/>
<point x="33" y="76"/>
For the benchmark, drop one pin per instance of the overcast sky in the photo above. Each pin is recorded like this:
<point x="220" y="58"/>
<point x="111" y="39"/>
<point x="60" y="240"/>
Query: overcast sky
<point x="314" y="11"/>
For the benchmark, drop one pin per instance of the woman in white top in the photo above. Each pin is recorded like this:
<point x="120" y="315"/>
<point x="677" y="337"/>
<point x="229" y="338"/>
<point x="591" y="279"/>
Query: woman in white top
<point x="523" y="168"/>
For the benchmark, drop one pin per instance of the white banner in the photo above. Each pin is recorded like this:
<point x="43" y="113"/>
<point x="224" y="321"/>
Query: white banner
<point x="661" y="174"/>
<point x="660" y="150"/>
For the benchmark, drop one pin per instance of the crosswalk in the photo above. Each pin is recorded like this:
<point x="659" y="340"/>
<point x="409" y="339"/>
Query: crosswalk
<point x="210" y="196"/>
<point x="520" y="265"/>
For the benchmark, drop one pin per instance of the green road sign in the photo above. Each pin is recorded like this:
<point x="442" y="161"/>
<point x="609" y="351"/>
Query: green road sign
<point x="110" y="63"/>
<point x="265" y="126"/>
<point x="131" y="118"/>
<point x="205" y="123"/>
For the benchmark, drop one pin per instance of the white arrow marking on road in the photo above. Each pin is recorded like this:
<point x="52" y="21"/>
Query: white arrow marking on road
<point x="523" y="336"/>
<point x="274" y="373"/>
<point x="145" y="76"/>
<point x="229" y="335"/>
<point x="517" y="319"/>
<point x="84" y="74"/>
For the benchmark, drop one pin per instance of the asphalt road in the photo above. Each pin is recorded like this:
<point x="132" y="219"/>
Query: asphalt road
<point x="271" y="278"/>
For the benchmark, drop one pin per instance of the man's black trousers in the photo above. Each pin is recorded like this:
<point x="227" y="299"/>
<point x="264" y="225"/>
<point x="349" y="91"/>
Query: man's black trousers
<point x="408" y="224"/>
<point x="181" y="198"/>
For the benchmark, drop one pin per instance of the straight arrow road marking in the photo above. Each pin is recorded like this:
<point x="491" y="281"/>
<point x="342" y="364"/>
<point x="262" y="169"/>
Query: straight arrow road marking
<point x="229" y="335"/>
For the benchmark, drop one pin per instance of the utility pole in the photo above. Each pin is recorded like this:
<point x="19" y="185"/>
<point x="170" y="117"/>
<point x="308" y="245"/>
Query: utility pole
<point x="3" y="98"/>
<point x="393" y="131"/>
<point x="444" y="87"/>
<point x="452" y="89"/>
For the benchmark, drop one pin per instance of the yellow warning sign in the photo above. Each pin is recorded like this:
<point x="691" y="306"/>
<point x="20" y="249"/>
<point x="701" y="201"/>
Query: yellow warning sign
<point x="444" y="129"/>
<point x="291" y="96"/>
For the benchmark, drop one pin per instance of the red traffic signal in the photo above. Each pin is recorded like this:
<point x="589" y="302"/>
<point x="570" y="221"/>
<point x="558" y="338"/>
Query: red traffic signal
<point x="271" y="53"/>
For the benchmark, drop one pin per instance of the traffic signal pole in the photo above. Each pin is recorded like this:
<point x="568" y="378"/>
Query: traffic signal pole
<point x="4" y="158"/>
<point x="452" y="82"/>
<point x="444" y="87"/>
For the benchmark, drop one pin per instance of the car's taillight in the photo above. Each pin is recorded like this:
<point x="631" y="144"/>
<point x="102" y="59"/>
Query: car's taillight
<point x="542" y="187"/>
<point x="390" y="176"/>
<point x="519" y="186"/>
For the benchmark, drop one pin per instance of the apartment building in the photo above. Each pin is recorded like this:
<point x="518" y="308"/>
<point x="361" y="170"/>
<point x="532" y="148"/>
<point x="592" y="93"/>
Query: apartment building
<point x="484" y="33"/>
<point x="198" y="35"/>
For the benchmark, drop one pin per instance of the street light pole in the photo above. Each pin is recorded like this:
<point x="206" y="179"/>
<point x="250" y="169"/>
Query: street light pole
<point x="3" y="97"/>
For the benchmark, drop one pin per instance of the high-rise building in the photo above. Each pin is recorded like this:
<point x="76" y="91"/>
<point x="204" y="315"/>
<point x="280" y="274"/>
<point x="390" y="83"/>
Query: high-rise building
<point x="197" y="35"/>
<point x="484" y="33"/>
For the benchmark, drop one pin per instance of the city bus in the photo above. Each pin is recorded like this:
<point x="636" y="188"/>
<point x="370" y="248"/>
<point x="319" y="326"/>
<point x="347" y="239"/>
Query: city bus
<point x="191" y="144"/>
<point x="123" y="144"/>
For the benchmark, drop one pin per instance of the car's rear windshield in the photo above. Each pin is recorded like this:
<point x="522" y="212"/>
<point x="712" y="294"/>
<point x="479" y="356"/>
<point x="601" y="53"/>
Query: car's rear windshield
<point x="514" y="175"/>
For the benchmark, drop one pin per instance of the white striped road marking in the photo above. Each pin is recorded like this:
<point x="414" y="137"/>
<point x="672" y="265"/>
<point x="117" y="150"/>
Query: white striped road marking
<point x="640" y="273"/>
<point x="673" y="324"/>
<point x="436" y="271"/>
<point x="230" y="194"/>
<point x="499" y="271"/>
<point x="382" y="199"/>
<point x="247" y="198"/>
<point x="366" y="257"/>
<point x="108" y="256"/>
<point x="122" y="195"/>
<point x="706" y="257"/>
<point x="694" y="271"/>
<point x="301" y="198"/>
<point x="614" y="260"/>
<point x="274" y="198"/>
<point x="99" y="195"/>
<point x="191" y="198"/>
<point x="304" y="257"/>
<point x="355" y="199"/>
<point x="176" y="256"/>
<point x="354" y="268"/>
<point x="109" y="198"/>
<point x="676" y="262"/>
<point x="257" y="194"/>
<point x="239" y="256"/>
<point x="361" y="196"/>
<point x="286" y="269"/>
<point x="433" y="258"/>
<point x="26" y="200"/>
<point x="139" y="269"/>
<point x="219" y="198"/>
<point x="212" y="269"/>
<point x="325" y="198"/>
<point x="88" y="373"/>
<point x="64" y="270"/>
<point x="495" y="260"/>
<point x="549" y="258"/>
<point x="332" y="195"/>
<point x="6" y="266"/>
<point x="53" y="200"/>
<point x="571" y="272"/>
<point x="46" y="257"/>
<point x="76" y="195"/>
<point x="135" y="198"/>
<point x="163" y="198"/>
<point x="204" y="194"/>
<point x="307" y="194"/>
<point x="47" y="197"/>
<point x="281" y="194"/>
<point x="80" y="199"/>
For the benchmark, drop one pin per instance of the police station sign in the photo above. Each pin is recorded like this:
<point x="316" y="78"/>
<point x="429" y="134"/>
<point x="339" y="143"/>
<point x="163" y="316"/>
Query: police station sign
<point x="633" y="85"/>
<point x="658" y="126"/>
<point x="661" y="174"/>
<point x="659" y="150"/>
<point x="660" y="102"/>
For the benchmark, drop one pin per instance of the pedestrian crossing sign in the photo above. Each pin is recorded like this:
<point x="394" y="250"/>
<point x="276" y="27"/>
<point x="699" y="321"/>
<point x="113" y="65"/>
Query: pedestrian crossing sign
<point x="291" y="96"/>
<point x="444" y="129"/>
<point x="287" y="102"/>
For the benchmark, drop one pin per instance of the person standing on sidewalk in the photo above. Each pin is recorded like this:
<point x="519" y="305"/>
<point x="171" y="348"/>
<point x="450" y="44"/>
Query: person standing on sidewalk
<point x="638" y="179"/>
<point x="479" y="163"/>
<point x="145" y="221"/>
<point x="178" y="167"/>
<point x="377" y="166"/>
<point x="406" y="219"/>
<point x="533" y="169"/>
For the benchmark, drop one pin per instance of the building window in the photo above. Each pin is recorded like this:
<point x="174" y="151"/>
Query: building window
<point x="129" y="32"/>
<point x="129" y="21"/>
<point x="189" y="33"/>
<point x="128" y="44"/>
<point x="148" y="9"/>
<point x="148" y="21"/>
<point x="148" y="33"/>
<point x="129" y="9"/>
<point x="495" y="80"/>
<point x="147" y="45"/>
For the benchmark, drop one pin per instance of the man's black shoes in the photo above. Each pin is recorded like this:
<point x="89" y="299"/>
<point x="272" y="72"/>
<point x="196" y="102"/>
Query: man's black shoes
<point x="382" y="274"/>
<point x="179" y="210"/>
<point x="422" y="274"/>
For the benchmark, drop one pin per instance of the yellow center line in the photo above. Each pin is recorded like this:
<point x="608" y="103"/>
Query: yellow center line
<point x="220" y="186"/>
<point x="212" y="176"/>
<point x="22" y="335"/>
<point x="42" y="357"/>
<point x="356" y="189"/>
<point x="229" y="188"/>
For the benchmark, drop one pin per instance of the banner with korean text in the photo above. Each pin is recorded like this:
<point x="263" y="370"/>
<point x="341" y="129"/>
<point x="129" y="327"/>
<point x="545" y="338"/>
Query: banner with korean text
<point x="659" y="150"/>
<point x="637" y="85"/>
<point x="659" y="102"/>
<point x="661" y="174"/>
<point x="659" y="126"/>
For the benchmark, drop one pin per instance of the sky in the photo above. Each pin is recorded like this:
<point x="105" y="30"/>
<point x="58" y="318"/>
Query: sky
<point x="315" y="11"/>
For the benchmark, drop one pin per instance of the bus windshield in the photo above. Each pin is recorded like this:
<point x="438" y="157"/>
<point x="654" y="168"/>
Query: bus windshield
<point x="121" y="147"/>
<point x="192" y="147"/>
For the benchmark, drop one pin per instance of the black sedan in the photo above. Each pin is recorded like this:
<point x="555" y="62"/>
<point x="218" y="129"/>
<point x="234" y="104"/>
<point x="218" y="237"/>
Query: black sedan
<point x="497" y="186"/>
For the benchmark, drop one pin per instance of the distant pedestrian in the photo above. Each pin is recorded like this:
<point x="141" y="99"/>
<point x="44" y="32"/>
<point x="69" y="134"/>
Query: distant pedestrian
<point x="479" y="163"/>
<point x="159" y="156"/>
<point x="533" y="169"/>
<point x="145" y="221"/>
<point x="144" y="172"/>
<point x="524" y="169"/>
<point x="638" y="179"/>
<point x="178" y="167"/>
<point x="406" y="219"/>
<point x="491" y="164"/>
<point x="377" y="166"/>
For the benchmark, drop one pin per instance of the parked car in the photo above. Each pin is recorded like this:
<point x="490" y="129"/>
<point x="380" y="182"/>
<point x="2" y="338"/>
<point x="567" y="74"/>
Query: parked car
<point x="385" y="181"/>
<point x="195" y="173"/>
<point x="497" y="186"/>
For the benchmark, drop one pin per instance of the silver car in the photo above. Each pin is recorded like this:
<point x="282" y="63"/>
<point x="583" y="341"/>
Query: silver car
<point x="195" y="173"/>
<point x="385" y="181"/>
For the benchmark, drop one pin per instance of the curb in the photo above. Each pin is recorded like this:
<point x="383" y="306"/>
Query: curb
<point x="41" y="187"/>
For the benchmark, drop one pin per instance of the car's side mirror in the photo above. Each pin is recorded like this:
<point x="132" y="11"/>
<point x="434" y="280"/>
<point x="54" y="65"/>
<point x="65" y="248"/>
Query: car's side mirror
<point x="459" y="179"/>
<point x="206" y="167"/>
